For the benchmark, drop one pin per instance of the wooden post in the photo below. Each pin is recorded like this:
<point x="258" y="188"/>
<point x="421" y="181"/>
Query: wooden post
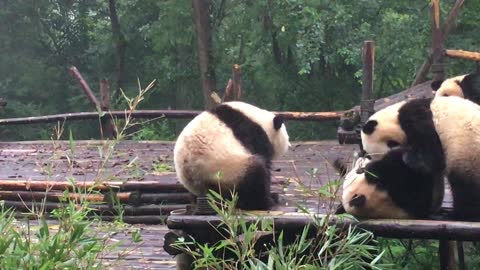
<point x="368" y="59"/>
<point x="446" y="28"/>
<point x="367" y="103"/>
<point x="446" y="253"/>
<point x="237" y="82"/>
<point x="437" y="43"/>
<point x="108" y="127"/>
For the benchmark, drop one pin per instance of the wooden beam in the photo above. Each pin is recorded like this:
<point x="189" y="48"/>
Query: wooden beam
<point x="150" y="186"/>
<point x="415" y="229"/>
<point x="437" y="43"/>
<point x="150" y="114"/>
<point x="108" y="128"/>
<point x="446" y="253"/>
<point x="473" y="56"/>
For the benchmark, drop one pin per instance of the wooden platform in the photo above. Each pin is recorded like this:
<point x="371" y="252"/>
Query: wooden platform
<point x="305" y="167"/>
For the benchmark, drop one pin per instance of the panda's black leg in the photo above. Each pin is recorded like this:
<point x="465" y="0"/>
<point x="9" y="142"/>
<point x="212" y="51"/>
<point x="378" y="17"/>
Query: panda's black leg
<point x="254" y="191"/>
<point x="466" y="203"/>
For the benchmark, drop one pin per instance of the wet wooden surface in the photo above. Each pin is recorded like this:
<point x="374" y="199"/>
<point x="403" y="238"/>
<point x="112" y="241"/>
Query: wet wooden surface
<point x="306" y="167"/>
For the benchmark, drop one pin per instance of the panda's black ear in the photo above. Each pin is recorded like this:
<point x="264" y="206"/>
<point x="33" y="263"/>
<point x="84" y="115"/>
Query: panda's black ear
<point x="369" y="127"/>
<point x="436" y="84"/>
<point x="277" y="122"/>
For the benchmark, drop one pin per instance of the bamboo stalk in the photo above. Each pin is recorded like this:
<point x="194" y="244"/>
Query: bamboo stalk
<point x="150" y="114"/>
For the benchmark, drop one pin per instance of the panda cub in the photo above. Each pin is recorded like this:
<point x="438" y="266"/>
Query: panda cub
<point x="439" y="135"/>
<point x="388" y="188"/>
<point x="465" y="86"/>
<point x="230" y="147"/>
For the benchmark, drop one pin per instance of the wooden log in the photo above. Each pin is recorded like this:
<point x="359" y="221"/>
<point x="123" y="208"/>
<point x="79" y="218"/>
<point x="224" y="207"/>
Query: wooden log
<point x="101" y="209"/>
<point x="473" y="56"/>
<point x="15" y="195"/>
<point x="157" y="198"/>
<point x="415" y="229"/>
<point x="150" y="114"/>
<point x="85" y="87"/>
<point x="228" y="94"/>
<point x="150" y="186"/>
<point x="153" y="220"/>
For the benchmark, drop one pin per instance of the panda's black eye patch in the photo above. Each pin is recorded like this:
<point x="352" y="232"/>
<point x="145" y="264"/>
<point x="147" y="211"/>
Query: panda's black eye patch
<point x="369" y="127"/>
<point x="436" y="84"/>
<point x="392" y="143"/>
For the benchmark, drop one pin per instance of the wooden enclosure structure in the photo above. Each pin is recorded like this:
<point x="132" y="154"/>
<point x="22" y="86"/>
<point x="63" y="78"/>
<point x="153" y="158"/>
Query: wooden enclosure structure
<point x="150" y="195"/>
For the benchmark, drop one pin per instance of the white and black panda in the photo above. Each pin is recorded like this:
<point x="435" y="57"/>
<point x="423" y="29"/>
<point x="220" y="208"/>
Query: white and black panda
<point x="439" y="135"/>
<point x="388" y="188"/>
<point x="230" y="147"/>
<point x="465" y="86"/>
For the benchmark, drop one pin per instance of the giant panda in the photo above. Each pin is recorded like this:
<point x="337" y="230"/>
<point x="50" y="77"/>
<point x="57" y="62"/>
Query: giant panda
<point x="465" y="86"/>
<point x="388" y="188"/>
<point x="440" y="134"/>
<point x="230" y="147"/>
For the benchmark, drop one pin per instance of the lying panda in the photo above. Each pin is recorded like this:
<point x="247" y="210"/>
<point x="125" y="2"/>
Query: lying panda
<point x="439" y="135"/>
<point x="388" y="188"/>
<point x="230" y="147"/>
<point x="465" y="86"/>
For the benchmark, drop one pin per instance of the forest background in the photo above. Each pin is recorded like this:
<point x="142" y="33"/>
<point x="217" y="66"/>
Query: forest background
<point x="295" y="55"/>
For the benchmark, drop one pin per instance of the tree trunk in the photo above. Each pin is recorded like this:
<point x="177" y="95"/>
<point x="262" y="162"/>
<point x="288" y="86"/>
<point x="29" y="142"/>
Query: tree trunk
<point x="204" y="49"/>
<point x="120" y="45"/>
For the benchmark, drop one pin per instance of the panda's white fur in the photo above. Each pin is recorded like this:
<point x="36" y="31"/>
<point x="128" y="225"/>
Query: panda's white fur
<point x="456" y="127"/>
<point x="207" y="153"/>
<point x="387" y="130"/>
<point x="450" y="87"/>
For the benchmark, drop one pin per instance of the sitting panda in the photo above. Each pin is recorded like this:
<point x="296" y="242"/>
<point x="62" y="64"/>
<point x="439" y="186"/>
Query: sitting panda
<point x="465" y="86"/>
<point x="388" y="188"/>
<point x="440" y="134"/>
<point x="230" y="147"/>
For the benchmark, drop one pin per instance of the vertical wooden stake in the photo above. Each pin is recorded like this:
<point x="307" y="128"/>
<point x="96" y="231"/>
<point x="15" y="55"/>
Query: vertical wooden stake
<point x="437" y="43"/>
<point x="237" y="82"/>
<point x="108" y="128"/>
<point x="446" y="253"/>
<point x="368" y="59"/>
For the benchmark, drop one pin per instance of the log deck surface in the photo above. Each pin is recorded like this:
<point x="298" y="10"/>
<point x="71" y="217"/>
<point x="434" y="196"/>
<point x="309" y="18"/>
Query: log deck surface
<point x="25" y="164"/>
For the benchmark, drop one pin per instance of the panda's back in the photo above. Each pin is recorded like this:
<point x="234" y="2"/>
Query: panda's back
<point x="457" y="122"/>
<point x="207" y="149"/>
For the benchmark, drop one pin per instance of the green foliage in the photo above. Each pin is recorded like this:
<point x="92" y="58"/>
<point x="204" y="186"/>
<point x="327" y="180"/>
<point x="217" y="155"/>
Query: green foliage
<point x="329" y="248"/>
<point x="295" y="55"/>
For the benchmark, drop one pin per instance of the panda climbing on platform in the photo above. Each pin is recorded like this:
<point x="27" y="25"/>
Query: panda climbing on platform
<point x="230" y="147"/>
<point x="438" y="135"/>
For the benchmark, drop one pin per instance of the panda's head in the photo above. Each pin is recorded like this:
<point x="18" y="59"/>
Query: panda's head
<point x="272" y="124"/>
<point x="387" y="188"/>
<point x="464" y="86"/>
<point x="449" y="87"/>
<point x="382" y="131"/>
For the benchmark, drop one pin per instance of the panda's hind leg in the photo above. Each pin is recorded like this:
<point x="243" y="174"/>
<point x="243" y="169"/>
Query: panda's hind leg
<point x="254" y="190"/>
<point x="466" y="202"/>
